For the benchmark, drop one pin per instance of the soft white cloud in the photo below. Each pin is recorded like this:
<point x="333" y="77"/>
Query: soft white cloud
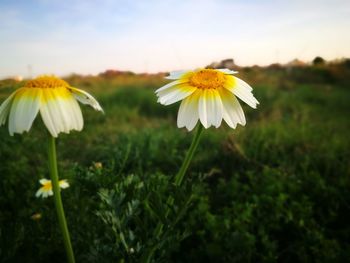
<point x="90" y="36"/>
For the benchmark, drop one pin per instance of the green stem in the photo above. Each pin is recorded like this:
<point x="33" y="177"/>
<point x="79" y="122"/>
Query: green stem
<point x="179" y="177"/>
<point x="58" y="200"/>
<point x="178" y="180"/>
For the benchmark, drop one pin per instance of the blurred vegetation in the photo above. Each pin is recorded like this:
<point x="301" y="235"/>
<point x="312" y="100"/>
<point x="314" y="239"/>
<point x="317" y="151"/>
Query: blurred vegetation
<point x="276" y="190"/>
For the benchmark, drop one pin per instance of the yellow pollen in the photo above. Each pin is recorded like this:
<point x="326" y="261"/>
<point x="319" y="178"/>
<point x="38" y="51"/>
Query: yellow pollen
<point x="208" y="79"/>
<point x="46" y="82"/>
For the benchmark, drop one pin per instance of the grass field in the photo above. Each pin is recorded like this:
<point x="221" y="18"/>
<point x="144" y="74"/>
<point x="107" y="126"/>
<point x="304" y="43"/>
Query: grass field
<point x="276" y="190"/>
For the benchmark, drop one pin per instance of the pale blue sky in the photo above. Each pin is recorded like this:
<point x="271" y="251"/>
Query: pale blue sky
<point x="87" y="37"/>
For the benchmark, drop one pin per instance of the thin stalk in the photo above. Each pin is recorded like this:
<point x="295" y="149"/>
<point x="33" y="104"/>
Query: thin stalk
<point x="178" y="180"/>
<point x="179" y="177"/>
<point x="58" y="201"/>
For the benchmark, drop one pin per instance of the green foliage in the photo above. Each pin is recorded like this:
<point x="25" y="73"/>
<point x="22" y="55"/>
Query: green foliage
<point x="131" y="211"/>
<point x="276" y="190"/>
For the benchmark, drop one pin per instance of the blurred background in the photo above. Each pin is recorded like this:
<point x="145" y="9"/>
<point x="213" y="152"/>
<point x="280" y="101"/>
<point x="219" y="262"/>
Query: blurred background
<point x="276" y="190"/>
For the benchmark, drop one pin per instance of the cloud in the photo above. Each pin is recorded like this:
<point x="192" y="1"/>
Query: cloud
<point x="90" y="36"/>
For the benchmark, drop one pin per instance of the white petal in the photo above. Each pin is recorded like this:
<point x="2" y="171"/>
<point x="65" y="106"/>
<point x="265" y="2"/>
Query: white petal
<point x="202" y="109"/>
<point x="63" y="184"/>
<point x="169" y="85"/>
<point x="76" y="115"/>
<point x="25" y="107"/>
<point x="44" y="181"/>
<point x="227" y="71"/>
<point x="60" y="111"/>
<point x="177" y="74"/>
<point x="188" y="112"/>
<point x="243" y="84"/>
<point x="86" y="98"/>
<point x="71" y="113"/>
<point x="217" y="108"/>
<point x="175" y="93"/>
<point x="39" y="192"/>
<point x="243" y="91"/>
<point x="50" y="192"/>
<point x="48" y="119"/>
<point x="233" y="112"/>
<point x="51" y="113"/>
<point x="210" y="108"/>
<point x="5" y="108"/>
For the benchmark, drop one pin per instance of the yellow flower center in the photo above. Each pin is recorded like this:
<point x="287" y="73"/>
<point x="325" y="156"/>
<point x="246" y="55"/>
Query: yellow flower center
<point x="46" y="82"/>
<point x="47" y="186"/>
<point x="207" y="79"/>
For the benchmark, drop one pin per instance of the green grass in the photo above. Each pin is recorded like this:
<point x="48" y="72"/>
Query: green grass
<point x="276" y="190"/>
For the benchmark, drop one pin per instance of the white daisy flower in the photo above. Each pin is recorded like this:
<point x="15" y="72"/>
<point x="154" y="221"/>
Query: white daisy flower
<point x="208" y="95"/>
<point x="46" y="189"/>
<point x="56" y="101"/>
